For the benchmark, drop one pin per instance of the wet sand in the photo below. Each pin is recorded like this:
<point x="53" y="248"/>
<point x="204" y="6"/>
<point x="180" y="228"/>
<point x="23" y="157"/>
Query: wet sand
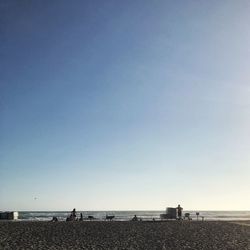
<point x="124" y="235"/>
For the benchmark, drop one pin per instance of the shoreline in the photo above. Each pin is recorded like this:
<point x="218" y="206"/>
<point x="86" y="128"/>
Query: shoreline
<point x="127" y="215"/>
<point x="242" y="221"/>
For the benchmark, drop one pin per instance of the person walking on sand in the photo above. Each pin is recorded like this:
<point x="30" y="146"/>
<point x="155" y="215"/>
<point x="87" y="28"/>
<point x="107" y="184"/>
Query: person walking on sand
<point x="179" y="212"/>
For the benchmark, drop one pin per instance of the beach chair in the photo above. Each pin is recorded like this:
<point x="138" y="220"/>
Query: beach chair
<point x="110" y="217"/>
<point x="187" y="216"/>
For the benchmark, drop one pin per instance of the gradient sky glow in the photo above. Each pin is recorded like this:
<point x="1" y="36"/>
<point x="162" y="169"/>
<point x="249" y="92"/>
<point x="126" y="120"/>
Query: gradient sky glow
<point x="117" y="105"/>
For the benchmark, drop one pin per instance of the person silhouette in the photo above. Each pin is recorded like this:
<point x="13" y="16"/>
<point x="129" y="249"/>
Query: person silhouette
<point x="73" y="214"/>
<point x="179" y="212"/>
<point x="135" y="218"/>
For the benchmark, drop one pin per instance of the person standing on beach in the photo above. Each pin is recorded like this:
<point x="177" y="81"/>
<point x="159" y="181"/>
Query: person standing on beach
<point x="179" y="212"/>
<point x="73" y="214"/>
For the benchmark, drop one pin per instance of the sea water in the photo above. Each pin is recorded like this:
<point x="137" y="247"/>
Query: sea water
<point x="128" y="215"/>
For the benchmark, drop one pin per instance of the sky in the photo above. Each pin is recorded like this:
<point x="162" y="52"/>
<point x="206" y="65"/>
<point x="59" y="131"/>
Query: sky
<point x="124" y="105"/>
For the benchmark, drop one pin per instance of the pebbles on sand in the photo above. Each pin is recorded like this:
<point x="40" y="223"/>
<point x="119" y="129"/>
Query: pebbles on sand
<point x="124" y="235"/>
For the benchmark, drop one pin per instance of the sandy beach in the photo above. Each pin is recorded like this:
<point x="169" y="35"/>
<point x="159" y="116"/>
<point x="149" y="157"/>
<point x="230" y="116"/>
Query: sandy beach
<point x="124" y="235"/>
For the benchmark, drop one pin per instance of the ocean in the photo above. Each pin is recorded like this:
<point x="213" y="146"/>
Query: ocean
<point x="128" y="215"/>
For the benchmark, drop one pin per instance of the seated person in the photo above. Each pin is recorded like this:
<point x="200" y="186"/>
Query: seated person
<point x="135" y="218"/>
<point x="54" y="219"/>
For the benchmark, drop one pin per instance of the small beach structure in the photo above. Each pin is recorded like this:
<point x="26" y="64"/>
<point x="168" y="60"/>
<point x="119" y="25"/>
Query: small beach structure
<point x="8" y="215"/>
<point x="170" y="213"/>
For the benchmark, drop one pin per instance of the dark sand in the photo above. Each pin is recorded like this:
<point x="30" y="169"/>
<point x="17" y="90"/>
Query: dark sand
<point x="124" y="235"/>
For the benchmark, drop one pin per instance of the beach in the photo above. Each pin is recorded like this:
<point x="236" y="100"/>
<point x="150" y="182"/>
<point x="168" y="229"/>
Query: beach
<point x="124" y="235"/>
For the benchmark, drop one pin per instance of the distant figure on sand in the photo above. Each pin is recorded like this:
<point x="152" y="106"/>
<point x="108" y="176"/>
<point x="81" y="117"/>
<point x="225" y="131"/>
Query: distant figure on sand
<point x="179" y="212"/>
<point x="54" y="219"/>
<point x="73" y="214"/>
<point x="135" y="218"/>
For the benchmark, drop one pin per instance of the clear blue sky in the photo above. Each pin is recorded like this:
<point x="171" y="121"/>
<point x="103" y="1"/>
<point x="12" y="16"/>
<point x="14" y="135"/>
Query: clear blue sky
<point x="124" y="104"/>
